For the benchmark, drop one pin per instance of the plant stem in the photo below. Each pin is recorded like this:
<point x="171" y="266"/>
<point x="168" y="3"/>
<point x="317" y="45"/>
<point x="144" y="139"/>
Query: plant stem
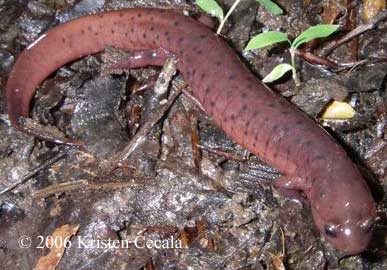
<point x="293" y="56"/>
<point x="227" y="15"/>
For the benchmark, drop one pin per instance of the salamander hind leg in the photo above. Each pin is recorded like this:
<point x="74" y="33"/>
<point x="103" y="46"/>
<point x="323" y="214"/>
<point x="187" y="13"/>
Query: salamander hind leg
<point x="291" y="188"/>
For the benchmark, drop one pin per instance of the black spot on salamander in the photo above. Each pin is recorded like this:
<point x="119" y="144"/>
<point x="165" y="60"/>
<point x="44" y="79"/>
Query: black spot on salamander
<point x="176" y="23"/>
<point x="313" y="180"/>
<point x="225" y="119"/>
<point x="299" y="122"/>
<point x="319" y="157"/>
<point x="152" y="18"/>
<point x="180" y="40"/>
<point x="157" y="37"/>
<point x="245" y="132"/>
<point x="126" y="34"/>
<point x="271" y="105"/>
<point x="218" y="63"/>
<point x="96" y="33"/>
<point x="63" y="40"/>
<point x="256" y="137"/>
<point x="267" y="143"/>
<point x="132" y="18"/>
<point x="288" y="153"/>
<point x="231" y="77"/>
<point x="132" y="30"/>
<point x="144" y="35"/>
<point x="139" y="15"/>
<point x="193" y="72"/>
<point x="83" y="31"/>
<point x="121" y="14"/>
<point x="230" y="93"/>
<point x="207" y="90"/>
<point x="166" y="33"/>
<point x="275" y="128"/>
<point x="199" y="52"/>
<point x="202" y="76"/>
<point x="275" y="155"/>
<point x="256" y="113"/>
<point x="244" y="108"/>
<point x="244" y="95"/>
<point x="152" y="28"/>
<point x="203" y="36"/>
<point x="232" y="117"/>
<point x="308" y="143"/>
<point x="212" y="104"/>
<point x="112" y="31"/>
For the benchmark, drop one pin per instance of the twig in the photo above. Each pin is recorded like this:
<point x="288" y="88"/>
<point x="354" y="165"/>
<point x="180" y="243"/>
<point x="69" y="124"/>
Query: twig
<point x="318" y="60"/>
<point x="34" y="172"/>
<point x="227" y="155"/>
<point x="75" y="185"/>
<point x="355" y="32"/>
<point x="227" y="15"/>
<point x="351" y="65"/>
<point x="315" y="59"/>
<point x="192" y="98"/>
<point x="141" y="135"/>
<point x="165" y="77"/>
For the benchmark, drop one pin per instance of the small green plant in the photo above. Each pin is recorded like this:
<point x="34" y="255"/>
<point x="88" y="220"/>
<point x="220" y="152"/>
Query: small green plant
<point x="273" y="37"/>
<point x="213" y="8"/>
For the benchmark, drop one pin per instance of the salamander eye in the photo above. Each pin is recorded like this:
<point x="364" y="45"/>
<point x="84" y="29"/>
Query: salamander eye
<point x="368" y="225"/>
<point x="331" y="230"/>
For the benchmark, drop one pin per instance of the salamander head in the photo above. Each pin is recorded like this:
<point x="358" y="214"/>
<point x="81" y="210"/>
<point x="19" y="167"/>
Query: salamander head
<point x="344" y="212"/>
<point x="347" y="236"/>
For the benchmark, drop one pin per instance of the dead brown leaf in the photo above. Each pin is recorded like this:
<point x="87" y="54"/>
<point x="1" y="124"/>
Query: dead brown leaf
<point x="57" y="243"/>
<point x="371" y="8"/>
<point x="276" y="262"/>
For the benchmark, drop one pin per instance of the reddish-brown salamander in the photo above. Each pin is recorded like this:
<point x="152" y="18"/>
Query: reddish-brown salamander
<point x="255" y="117"/>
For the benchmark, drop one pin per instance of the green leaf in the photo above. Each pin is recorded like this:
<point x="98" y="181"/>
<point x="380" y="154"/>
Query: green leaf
<point x="318" y="31"/>
<point x="211" y="7"/>
<point x="277" y="73"/>
<point x="271" y="6"/>
<point x="266" y="39"/>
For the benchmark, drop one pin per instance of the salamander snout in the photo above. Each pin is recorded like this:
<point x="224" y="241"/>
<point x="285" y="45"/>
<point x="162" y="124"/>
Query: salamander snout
<point x="349" y="238"/>
<point x="343" y="209"/>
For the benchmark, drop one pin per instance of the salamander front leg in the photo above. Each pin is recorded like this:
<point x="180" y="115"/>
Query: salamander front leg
<point x="291" y="188"/>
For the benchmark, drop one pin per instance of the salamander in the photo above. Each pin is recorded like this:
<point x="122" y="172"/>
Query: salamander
<point x="250" y="113"/>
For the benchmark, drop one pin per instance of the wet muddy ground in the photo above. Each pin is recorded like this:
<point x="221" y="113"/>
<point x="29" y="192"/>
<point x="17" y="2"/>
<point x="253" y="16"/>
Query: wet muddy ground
<point x="186" y="182"/>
